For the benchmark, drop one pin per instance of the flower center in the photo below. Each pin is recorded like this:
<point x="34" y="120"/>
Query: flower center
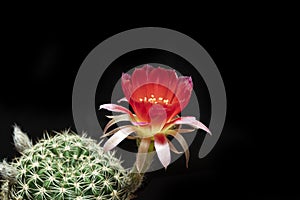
<point x="152" y="99"/>
<point x="149" y="94"/>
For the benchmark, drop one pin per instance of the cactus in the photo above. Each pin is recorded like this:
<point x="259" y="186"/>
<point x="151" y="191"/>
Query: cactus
<point x="64" y="167"/>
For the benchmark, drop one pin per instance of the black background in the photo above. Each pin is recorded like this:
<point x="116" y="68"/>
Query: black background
<point x="255" y="156"/>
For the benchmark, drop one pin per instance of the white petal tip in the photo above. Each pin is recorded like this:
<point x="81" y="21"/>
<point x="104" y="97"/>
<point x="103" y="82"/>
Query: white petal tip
<point x="122" y="100"/>
<point x="165" y="162"/>
<point x="100" y="107"/>
<point x="208" y="131"/>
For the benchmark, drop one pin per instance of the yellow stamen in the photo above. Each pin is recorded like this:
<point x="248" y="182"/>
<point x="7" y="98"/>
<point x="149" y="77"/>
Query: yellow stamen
<point x="166" y="101"/>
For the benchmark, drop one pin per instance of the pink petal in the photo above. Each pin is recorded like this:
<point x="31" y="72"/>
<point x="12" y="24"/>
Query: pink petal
<point x="160" y="76"/>
<point x="123" y="117"/>
<point x="127" y="85"/>
<point x="158" y="117"/>
<point x="116" y="119"/>
<point x="192" y="122"/>
<point x="183" y="130"/>
<point x="115" y="108"/>
<point x="173" y="79"/>
<point x="162" y="148"/>
<point x="114" y="131"/>
<point x="117" y="138"/>
<point x="183" y="143"/>
<point x="184" y="90"/>
<point x="140" y="123"/>
<point x="142" y="153"/>
<point x="140" y="76"/>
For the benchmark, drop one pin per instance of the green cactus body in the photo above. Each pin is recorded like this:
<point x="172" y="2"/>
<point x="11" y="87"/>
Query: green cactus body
<point x="67" y="166"/>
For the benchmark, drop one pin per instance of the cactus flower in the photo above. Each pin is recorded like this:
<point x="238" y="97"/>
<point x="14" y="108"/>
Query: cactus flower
<point x="156" y="96"/>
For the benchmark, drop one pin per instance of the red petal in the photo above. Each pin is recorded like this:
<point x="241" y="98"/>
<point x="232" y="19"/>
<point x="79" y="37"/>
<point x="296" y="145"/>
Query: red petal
<point x="148" y="83"/>
<point x="162" y="148"/>
<point x="140" y="101"/>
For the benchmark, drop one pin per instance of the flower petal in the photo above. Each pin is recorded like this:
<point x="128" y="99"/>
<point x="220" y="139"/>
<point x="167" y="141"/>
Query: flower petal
<point x="144" y="97"/>
<point x="115" y="108"/>
<point x="116" y="119"/>
<point x="114" y="131"/>
<point x="173" y="148"/>
<point x="183" y="143"/>
<point x="162" y="148"/>
<point x="123" y="99"/>
<point x="173" y="79"/>
<point x="158" y="117"/>
<point x="142" y="153"/>
<point x="184" y="90"/>
<point x="140" y="76"/>
<point x="161" y="76"/>
<point x="132" y="137"/>
<point x="127" y="85"/>
<point x="117" y="138"/>
<point x="191" y="121"/>
<point x="183" y="130"/>
<point x="140" y="123"/>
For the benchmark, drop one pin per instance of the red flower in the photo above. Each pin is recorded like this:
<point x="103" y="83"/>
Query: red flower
<point x="148" y="86"/>
<point x="157" y="96"/>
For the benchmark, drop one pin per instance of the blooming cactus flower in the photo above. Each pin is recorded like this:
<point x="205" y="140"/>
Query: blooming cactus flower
<point x="157" y="96"/>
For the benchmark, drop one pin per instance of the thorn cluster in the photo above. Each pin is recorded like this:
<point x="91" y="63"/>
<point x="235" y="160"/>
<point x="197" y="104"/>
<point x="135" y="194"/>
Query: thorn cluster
<point x="66" y="166"/>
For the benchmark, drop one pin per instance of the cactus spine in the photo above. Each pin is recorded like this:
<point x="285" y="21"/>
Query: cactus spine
<point x="66" y="166"/>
